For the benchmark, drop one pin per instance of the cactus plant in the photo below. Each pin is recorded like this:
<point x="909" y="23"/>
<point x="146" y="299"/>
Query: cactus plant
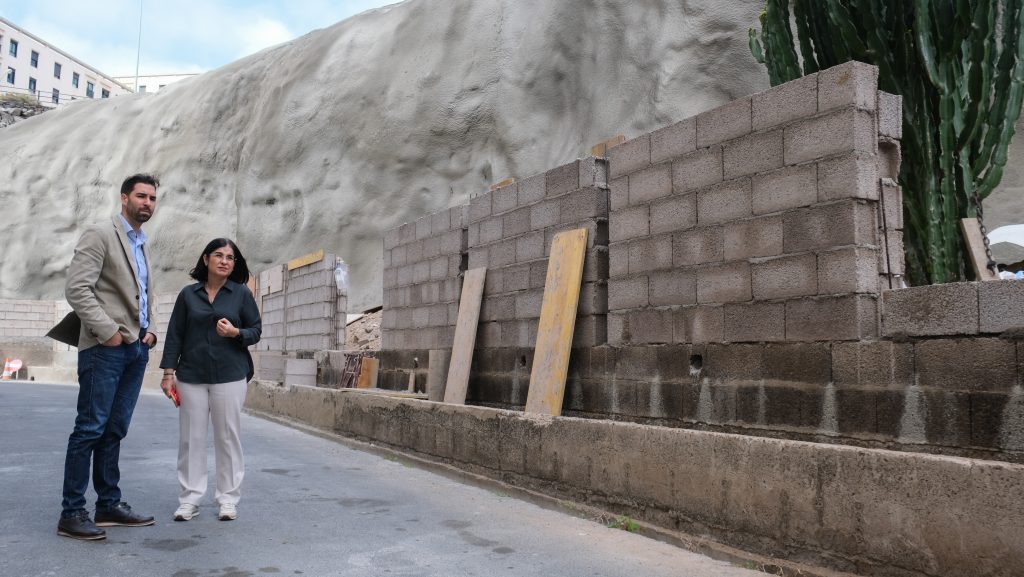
<point x="959" y="66"/>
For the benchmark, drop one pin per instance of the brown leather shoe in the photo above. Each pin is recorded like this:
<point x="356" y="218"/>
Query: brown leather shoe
<point x="80" y="526"/>
<point x="122" y="515"/>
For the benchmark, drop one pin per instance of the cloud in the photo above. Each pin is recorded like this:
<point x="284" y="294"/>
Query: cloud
<point x="259" y="34"/>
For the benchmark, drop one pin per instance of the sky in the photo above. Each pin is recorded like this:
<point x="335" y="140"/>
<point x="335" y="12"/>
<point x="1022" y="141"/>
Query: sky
<point x="179" y="36"/>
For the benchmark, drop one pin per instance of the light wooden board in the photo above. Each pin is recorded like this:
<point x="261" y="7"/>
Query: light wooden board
<point x="557" y="321"/>
<point x="306" y="259"/>
<point x="385" y="393"/>
<point x="601" y="148"/>
<point x="368" y="374"/>
<point x="976" y="247"/>
<point x="465" y="336"/>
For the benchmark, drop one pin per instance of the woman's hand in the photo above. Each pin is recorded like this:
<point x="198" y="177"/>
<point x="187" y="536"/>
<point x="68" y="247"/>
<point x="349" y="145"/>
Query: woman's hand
<point x="226" y="329"/>
<point x="168" y="384"/>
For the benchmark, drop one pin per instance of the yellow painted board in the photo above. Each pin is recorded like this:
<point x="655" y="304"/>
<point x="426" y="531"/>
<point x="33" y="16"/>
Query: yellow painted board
<point x="976" y="247"/>
<point x="601" y="148"/>
<point x="557" y="322"/>
<point x="307" y="259"/>
<point x="465" y="336"/>
<point x="505" y="182"/>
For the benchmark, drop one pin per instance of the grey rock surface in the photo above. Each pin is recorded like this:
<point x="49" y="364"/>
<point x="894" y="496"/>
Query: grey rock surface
<point x="328" y="140"/>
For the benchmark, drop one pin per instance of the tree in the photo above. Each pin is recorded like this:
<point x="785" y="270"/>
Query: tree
<point x="958" y="66"/>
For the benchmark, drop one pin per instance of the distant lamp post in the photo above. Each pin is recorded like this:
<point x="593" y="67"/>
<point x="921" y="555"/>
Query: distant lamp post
<point x="138" y="50"/>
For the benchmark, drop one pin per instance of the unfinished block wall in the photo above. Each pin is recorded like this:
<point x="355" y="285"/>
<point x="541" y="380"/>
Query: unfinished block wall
<point x="302" y="311"/>
<point x="423" y="262"/>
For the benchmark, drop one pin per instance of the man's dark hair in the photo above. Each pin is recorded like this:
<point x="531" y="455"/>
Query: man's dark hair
<point x="129" y="183"/>
<point x="241" y="272"/>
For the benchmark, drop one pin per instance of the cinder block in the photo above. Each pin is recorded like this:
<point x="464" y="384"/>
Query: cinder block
<point x="724" y="283"/>
<point x="892" y="204"/>
<point x="674" y="140"/>
<point x="584" y="204"/>
<point x="890" y="115"/>
<point x="515" y="223"/>
<point x="627" y="293"/>
<point x="488" y="335"/>
<point x="652" y="326"/>
<point x="545" y="214"/>
<point x="975" y="364"/>
<point x="440" y="222"/>
<point x="501" y="254"/>
<point x="798" y="363"/>
<point x="516" y="278"/>
<point x="785" y="102"/>
<point x="618" y="332"/>
<point x="480" y="207"/>
<point x="753" y="153"/>
<point x="1001" y="306"/>
<point x="848" y="270"/>
<point x="407" y="233"/>
<point x="593" y="172"/>
<point x="590" y="331"/>
<point x="726" y="122"/>
<point x="784" y="189"/>
<point x="629" y="156"/>
<point x="628" y="223"/>
<point x="491" y="229"/>
<point x="562" y="179"/>
<point x="505" y="198"/>
<point x="833" y="318"/>
<point x="618" y="260"/>
<point x="530" y="246"/>
<point x="423" y="227"/>
<point x="838" y="132"/>
<point x="698" y="246"/>
<point x="532" y="190"/>
<point x="652" y="253"/>
<point x="494" y="282"/>
<point x="528" y="303"/>
<point x="730" y="200"/>
<point x="873" y="364"/>
<point x="754" y="322"/>
<point x="672" y="287"/>
<point x="757" y="237"/>
<point x="391" y="238"/>
<point x="474" y="234"/>
<point x="944" y="309"/>
<point x="733" y="361"/>
<point x="431" y="247"/>
<point x="593" y="299"/>
<point x="498" y="308"/>
<point x="650" y="183"/>
<point x="459" y="216"/>
<point x="828" y="226"/>
<point x="673" y="214"/>
<point x="849" y="84"/>
<point x="439" y="269"/>
<point x="697" y="169"/>
<point x="618" y="193"/>
<point x="421" y="272"/>
<point x="784" y="277"/>
<point x="853" y="175"/>
<point x="539" y="273"/>
<point x="478" y="257"/>
<point x="699" y="324"/>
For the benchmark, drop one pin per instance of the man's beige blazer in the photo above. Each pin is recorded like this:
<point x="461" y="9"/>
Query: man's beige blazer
<point x="103" y="285"/>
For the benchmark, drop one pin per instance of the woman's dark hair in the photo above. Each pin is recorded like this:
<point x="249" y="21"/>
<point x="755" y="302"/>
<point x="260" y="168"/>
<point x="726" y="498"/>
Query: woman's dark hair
<point x="241" y="272"/>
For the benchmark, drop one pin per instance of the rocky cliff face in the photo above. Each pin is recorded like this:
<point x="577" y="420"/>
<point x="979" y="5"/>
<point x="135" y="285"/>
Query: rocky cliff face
<point x="328" y="140"/>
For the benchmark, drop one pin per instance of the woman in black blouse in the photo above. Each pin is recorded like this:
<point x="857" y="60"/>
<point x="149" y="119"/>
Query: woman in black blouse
<point x="207" y="365"/>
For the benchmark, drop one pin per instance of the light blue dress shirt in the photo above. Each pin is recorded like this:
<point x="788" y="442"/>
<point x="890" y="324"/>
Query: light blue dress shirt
<point x="137" y="239"/>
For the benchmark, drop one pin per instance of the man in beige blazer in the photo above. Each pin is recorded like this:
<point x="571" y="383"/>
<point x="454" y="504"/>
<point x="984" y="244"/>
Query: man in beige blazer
<point x="110" y="288"/>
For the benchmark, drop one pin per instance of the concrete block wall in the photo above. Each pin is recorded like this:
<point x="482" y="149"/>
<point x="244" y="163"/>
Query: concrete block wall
<point x="25" y="322"/>
<point x="764" y="220"/>
<point x="511" y="230"/>
<point x="423" y="264"/>
<point x="302" y="309"/>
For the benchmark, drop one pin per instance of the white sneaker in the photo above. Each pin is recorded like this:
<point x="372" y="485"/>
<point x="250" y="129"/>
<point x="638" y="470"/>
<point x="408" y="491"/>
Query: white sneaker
<point x="228" y="512"/>
<point x="185" y="512"/>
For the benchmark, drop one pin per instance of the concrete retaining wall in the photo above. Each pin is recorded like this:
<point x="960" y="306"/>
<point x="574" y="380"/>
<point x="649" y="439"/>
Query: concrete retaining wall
<point x="870" y="512"/>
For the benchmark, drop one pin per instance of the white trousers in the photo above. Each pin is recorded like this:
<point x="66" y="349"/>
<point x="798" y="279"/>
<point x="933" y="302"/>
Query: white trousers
<point x="221" y="403"/>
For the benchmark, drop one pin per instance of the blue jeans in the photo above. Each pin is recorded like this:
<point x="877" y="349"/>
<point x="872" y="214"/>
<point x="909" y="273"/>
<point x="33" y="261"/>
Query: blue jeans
<point x="109" y="380"/>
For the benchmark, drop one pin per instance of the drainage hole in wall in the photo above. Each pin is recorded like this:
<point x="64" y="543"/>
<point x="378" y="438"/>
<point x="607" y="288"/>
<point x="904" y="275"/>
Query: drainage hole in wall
<point x="696" y="363"/>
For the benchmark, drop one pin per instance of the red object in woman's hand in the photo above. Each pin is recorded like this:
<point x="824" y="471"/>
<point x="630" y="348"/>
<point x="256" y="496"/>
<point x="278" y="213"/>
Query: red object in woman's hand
<point x="175" y="397"/>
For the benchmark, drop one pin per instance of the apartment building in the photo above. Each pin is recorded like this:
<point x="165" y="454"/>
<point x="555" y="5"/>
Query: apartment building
<point x="152" y="83"/>
<point x="29" y="65"/>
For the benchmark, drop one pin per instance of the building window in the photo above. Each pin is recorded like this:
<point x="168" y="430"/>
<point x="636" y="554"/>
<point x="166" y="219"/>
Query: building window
<point x="10" y="75"/>
<point x="90" y="89"/>
<point x="74" y="79"/>
<point x="14" y="47"/>
<point x="56" y="69"/>
<point x="31" y="84"/>
<point x="142" y="89"/>
<point x="34" y="60"/>
<point x="104" y="93"/>
<point x="56" y="96"/>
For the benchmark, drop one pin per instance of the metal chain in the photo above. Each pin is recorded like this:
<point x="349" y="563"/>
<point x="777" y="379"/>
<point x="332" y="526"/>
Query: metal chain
<point x="984" y="233"/>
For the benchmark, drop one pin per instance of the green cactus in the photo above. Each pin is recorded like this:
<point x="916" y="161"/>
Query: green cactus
<point x="959" y="66"/>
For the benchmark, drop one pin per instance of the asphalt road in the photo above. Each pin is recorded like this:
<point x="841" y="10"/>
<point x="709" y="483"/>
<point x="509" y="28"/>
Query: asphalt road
<point x="310" y="506"/>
